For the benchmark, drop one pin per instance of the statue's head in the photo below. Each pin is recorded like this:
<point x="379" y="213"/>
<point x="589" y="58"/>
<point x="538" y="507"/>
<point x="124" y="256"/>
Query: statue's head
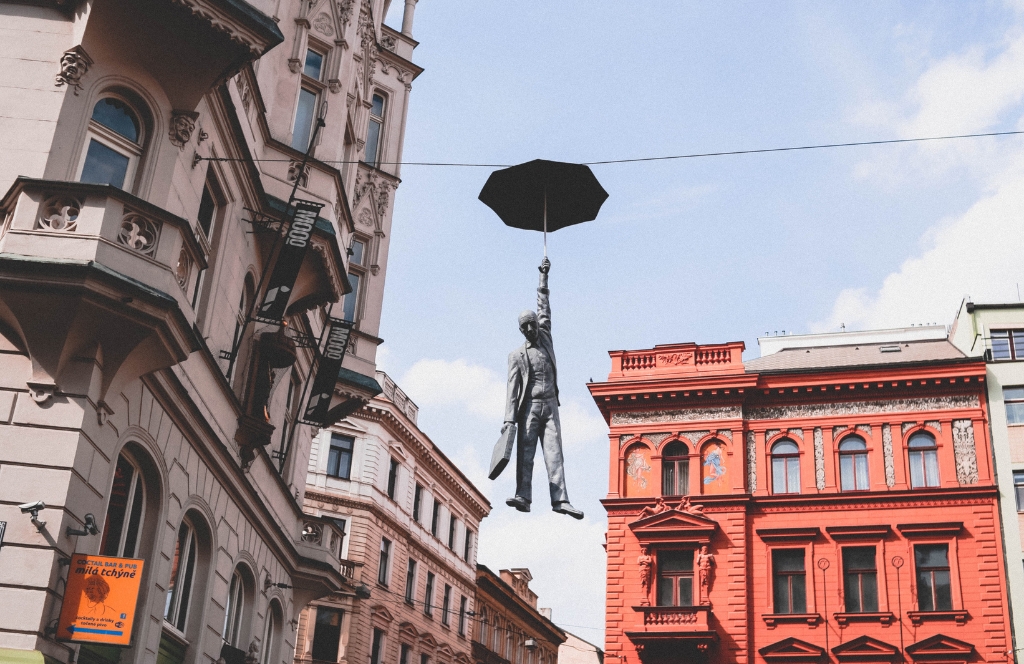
<point x="528" y="325"/>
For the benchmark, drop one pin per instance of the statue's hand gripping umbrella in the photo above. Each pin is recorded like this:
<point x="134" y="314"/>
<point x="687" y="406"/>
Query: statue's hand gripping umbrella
<point x="539" y="195"/>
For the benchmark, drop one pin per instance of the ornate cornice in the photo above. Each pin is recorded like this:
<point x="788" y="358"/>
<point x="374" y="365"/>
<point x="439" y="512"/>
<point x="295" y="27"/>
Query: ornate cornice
<point x="257" y="40"/>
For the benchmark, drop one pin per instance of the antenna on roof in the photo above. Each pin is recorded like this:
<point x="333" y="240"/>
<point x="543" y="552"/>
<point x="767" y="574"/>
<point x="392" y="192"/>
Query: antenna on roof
<point x="842" y="327"/>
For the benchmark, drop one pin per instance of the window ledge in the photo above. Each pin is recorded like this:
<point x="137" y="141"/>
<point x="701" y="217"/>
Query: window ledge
<point x="172" y="632"/>
<point x="771" y="619"/>
<point x="886" y="618"/>
<point x="917" y="617"/>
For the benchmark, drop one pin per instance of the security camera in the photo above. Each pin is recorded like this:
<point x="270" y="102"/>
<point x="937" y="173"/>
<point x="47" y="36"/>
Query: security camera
<point x="90" y="527"/>
<point x="32" y="507"/>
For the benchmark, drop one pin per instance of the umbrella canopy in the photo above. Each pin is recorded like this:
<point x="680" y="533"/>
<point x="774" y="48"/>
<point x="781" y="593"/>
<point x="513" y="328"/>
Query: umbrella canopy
<point x="527" y="194"/>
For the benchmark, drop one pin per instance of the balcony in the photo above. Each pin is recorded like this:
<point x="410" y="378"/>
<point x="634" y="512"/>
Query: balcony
<point x="674" y="618"/>
<point x="677" y="360"/>
<point x="90" y="268"/>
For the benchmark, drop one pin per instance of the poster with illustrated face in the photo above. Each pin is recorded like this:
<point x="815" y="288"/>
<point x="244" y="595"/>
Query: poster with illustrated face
<point x="713" y="469"/>
<point x="99" y="603"/>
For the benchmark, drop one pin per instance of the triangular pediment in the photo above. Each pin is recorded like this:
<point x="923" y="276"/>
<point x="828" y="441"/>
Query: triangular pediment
<point x="445" y="650"/>
<point x="865" y="649"/>
<point x="462" y="658"/>
<point x="427" y="641"/>
<point x="673" y="524"/>
<point x="408" y="630"/>
<point x="381" y="612"/>
<point x="792" y="649"/>
<point x="940" y="646"/>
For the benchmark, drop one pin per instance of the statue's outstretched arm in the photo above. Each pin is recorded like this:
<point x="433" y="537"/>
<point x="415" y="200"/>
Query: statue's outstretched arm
<point x="543" y="304"/>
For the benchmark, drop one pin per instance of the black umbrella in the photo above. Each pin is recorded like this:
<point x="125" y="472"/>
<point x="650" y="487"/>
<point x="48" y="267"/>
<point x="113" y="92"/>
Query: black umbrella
<point x="543" y="195"/>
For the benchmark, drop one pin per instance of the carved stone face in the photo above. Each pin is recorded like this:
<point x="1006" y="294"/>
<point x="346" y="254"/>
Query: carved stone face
<point x="181" y="129"/>
<point x="69" y="67"/>
<point x="529" y="330"/>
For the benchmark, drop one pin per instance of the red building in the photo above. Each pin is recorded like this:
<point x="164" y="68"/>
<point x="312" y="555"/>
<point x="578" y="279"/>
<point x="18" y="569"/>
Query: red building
<point x="831" y="501"/>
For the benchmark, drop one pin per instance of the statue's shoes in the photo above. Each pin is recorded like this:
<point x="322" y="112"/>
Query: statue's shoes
<point x="518" y="503"/>
<point x="566" y="508"/>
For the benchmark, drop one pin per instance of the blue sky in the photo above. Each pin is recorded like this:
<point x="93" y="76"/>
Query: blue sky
<point x="707" y="250"/>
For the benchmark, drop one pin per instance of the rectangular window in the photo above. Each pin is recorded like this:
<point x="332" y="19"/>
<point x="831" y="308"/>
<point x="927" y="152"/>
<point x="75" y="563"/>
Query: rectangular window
<point x="1013" y="397"/>
<point x="403" y="655"/>
<point x="314" y="65"/>
<point x="304" y="114"/>
<point x="374" y="131"/>
<point x="789" y="582"/>
<point x="428" y="596"/>
<point x="860" y="579"/>
<point x="417" y="502"/>
<point x="356" y="251"/>
<point x="1018" y="488"/>
<point x="424" y="659"/>
<point x="468" y="548"/>
<point x="349" y="305"/>
<point x="207" y="207"/>
<point x="462" y="616"/>
<point x="392" y="478"/>
<point x="1007" y="344"/>
<point x="675" y="578"/>
<point x="435" y="517"/>
<point x="452" y="522"/>
<point x="327" y="634"/>
<point x="446" y="604"/>
<point x="385" y="558"/>
<point x="339" y="459"/>
<point x="933" y="585"/>
<point x="410" y="582"/>
<point x="377" y="650"/>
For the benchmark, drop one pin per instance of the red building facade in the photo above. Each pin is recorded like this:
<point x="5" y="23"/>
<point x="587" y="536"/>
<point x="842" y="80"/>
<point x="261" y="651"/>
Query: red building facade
<point x="833" y="503"/>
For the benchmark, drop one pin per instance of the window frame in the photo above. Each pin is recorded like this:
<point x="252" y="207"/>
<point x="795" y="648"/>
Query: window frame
<point x="270" y="633"/>
<point x="393" y="478"/>
<point x="1008" y="334"/>
<point x="948" y="569"/>
<point x="923" y="455"/>
<point x="381" y="122"/>
<point x="340" y="612"/>
<point x="115" y="141"/>
<point x="446" y="605"/>
<point x="463" y="608"/>
<point x="384" y="562"/>
<point x="179" y="594"/>
<point x="435" y="517"/>
<point x="428" y="595"/>
<point x="232" y="630"/>
<point x="341" y="452"/>
<point x="453" y="523"/>
<point x="788" y="459"/>
<point x="377" y="646"/>
<point x="678" y="466"/>
<point x="677" y="576"/>
<point x="410" y="583"/>
<point x="417" y="502"/>
<point x="133" y="511"/>
<point x="853" y="456"/>
<point x="468" y="544"/>
<point x="1018" y="489"/>
<point x="1011" y="402"/>
<point x="861" y="574"/>
<point x="789" y="576"/>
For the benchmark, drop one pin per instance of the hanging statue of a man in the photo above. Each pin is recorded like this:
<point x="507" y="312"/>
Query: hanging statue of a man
<point x="532" y="406"/>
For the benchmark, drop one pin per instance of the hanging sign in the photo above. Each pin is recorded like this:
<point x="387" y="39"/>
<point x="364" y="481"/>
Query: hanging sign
<point x="300" y="231"/>
<point x="99" y="600"/>
<point x="327" y="373"/>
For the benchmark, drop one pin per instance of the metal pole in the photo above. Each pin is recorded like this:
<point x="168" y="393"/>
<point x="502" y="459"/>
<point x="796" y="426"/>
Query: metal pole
<point x="897" y="562"/>
<point x="545" y="222"/>
<point x="823" y="565"/>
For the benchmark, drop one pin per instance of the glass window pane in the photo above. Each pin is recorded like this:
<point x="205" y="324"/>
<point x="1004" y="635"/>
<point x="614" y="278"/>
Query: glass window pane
<point x="869" y="592"/>
<point x="1013" y="393"/>
<point x="785" y="447"/>
<point x="931" y="468"/>
<point x="793" y="464"/>
<point x="1018" y="344"/>
<point x="668" y="478"/>
<point x="788" y="560"/>
<point x="799" y="594"/>
<point x="686" y="591"/>
<point x="104" y="165"/>
<point x="852" y="443"/>
<point x="683" y="472"/>
<point x="674" y="449"/>
<point x="303" y="120"/>
<point x="675" y="561"/>
<point x="859" y="558"/>
<point x="862" y="471"/>
<point x="326" y="634"/>
<point x="349" y="308"/>
<point x="357" y="252"/>
<point x="372" y="141"/>
<point x="925" y="601"/>
<point x="207" y="207"/>
<point x="377" y="109"/>
<point x="186" y="584"/>
<point x="778" y="475"/>
<point x="852" y="597"/>
<point x="916" y="470"/>
<point x="665" y="590"/>
<point x="1000" y="346"/>
<point x="782" y="598"/>
<point x="117" y="507"/>
<point x="314" y="64"/>
<point x="921" y="439"/>
<point x="131" y="538"/>
<point x="931" y="555"/>
<point x="846" y="473"/>
<point x="117" y="116"/>
<point x="1014" y="413"/>
<point x="943" y="592"/>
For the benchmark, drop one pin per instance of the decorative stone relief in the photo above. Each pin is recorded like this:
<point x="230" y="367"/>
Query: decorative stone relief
<point x="366" y="217"/>
<point x="751" y="462"/>
<point x="387" y="41"/>
<point x="838" y="430"/>
<point x="74" y="64"/>
<point x="965" y="452"/>
<point x="138" y="234"/>
<point x="798" y="433"/>
<point x="656" y="438"/>
<point x="890" y="471"/>
<point x="726" y="433"/>
<point x="864" y="429"/>
<point x="312" y="532"/>
<point x="365" y="28"/>
<point x="771" y="433"/>
<point x="200" y="10"/>
<point x="862" y="407"/>
<point x="243" y="91"/>
<point x="345" y="11"/>
<point x="183" y="268"/>
<point x="626" y="437"/>
<point x="907" y="426"/>
<point x="694" y="436"/>
<point x="934" y="424"/>
<point x="60" y="213"/>
<point x="183" y="123"/>
<point x="682" y="415"/>
<point x="819" y="459"/>
<point x="322" y="24"/>
<point x="294" y="172"/>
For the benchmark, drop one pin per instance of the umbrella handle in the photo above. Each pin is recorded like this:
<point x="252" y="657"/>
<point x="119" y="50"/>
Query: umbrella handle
<point x="545" y="223"/>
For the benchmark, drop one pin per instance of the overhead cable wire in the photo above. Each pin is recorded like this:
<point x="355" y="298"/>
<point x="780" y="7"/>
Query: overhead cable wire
<point x="693" y="155"/>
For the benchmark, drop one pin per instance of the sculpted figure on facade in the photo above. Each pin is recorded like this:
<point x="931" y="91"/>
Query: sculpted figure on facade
<point x="658" y="508"/>
<point x="705" y="560"/>
<point x="645" y="569"/>
<point x="183" y="123"/>
<point x="532" y="405"/>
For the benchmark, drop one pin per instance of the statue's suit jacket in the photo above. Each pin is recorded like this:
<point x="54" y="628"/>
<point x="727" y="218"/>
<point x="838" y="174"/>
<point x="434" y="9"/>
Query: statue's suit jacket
<point x="519" y="366"/>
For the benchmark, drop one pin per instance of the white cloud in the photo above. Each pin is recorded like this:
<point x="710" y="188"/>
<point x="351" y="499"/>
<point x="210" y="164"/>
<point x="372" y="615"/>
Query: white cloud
<point x="978" y="252"/>
<point x="481" y="391"/>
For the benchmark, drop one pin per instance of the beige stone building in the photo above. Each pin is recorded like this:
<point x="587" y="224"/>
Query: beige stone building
<point x="996" y="332"/>
<point x="579" y="651"/>
<point x="147" y="152"/>
<point x="411" y="519"/>
<point x="509" y="628"/>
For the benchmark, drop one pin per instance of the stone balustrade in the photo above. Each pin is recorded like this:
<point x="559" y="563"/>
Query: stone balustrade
<point x="674" y="618"/>
<point x="677" y="360"/>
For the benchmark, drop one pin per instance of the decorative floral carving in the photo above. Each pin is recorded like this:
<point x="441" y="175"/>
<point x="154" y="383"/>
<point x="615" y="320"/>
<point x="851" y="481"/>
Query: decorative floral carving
<point x="694" y="436"/>
<point x="366" y="217"/>
<point x="322" y="24"/>
<point x="366" y="31"/>
<point x="183" y="123"/>
<point x="199" y="9"/>
<point x="887" y="456"/>
<point x="294" y="172"/>
<point x="73" y="66"/>
<point x="244" y="91"/>
<point x="819" y="459"/>
<point x="681" y="415"/>
<point x="751" y="462"/>
<point x="965" y="452"/>
<point x="138" y="233"/>
<point x="864" y="429"/>
<point x="725" y="433"/>
<point x="862" y="407"/>
<point x="345" y="11"/>
<point x="934" y="424"/>
<point x="183" y="268"/>
<point x="771" y="433"/>
<point x="388" y="41"/>
<point x="907" y="426"/>
<point x="312" y="532"/>
<point x="60" y="213"/>
<point x="798" y="433"/>
<point x="674" y="359"/>
<point x="656" y="438"/>
<point x="624" y="438"/>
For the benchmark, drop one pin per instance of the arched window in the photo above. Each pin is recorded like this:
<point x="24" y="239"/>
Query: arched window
<point x="122" y="526"/>
<point x="375" y="131"/>
<point x="675" y="469"/>
<point x="183" y="569"/>
<point x="509" y="647"/>
<point x="235" y="607"/>
<point x="496" y="644"/>
<point x="271" y="634"/>
<point x="244" y="306"/>
<point x="924" y="460"/>
<point x="114" y="143"/>
<point x="853" y="464"/>
<point x="785" y="467"/>
<point x="483" y="625"/>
